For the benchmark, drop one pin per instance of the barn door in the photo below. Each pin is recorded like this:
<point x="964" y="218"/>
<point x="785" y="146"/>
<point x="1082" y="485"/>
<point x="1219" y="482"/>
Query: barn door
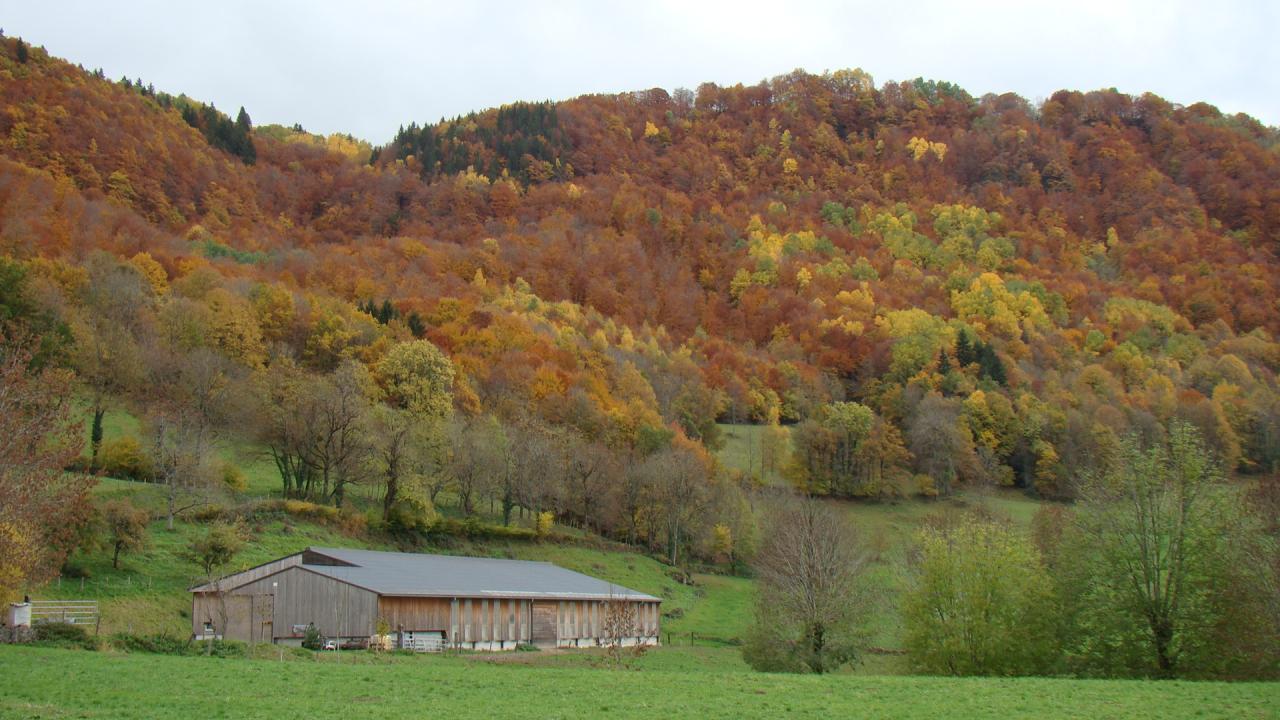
<point x="264" y="616"/>
<point x="544" y="623"/>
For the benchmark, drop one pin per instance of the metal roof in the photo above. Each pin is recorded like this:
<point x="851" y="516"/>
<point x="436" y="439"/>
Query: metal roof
<point x="418" y="575"/>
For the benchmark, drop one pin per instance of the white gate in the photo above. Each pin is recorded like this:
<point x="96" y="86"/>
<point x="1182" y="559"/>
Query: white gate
<point x="422" y="641"/>
<point x="74" y="612"/>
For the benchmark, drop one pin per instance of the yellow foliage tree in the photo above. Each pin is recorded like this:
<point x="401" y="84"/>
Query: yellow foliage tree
<point x="152" y="271"/>
<point x="988" y="304"/>
<point x="234" y="327"/>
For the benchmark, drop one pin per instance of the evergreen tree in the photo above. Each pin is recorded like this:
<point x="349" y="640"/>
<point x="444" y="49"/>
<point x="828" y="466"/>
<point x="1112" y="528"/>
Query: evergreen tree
<point x="964" y="350"/>
<point x="991" y="365"/>
<point x="22" y="52"/>
<point x="244" y="138"/>
<point x="416" y="326"/>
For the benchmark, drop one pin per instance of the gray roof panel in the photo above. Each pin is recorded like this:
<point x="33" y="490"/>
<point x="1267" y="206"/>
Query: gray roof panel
<point x="418" y="575"/>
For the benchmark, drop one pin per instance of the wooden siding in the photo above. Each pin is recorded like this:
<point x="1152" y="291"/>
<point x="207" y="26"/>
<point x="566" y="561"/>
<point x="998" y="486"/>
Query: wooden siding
<point x="460" y="619"/>
<point x="302" y="597"/>
<point x="544" y="621"/>
<point x="415" y="614"/>
<point x="585" y="619"/>
<point x="241" y="578"/>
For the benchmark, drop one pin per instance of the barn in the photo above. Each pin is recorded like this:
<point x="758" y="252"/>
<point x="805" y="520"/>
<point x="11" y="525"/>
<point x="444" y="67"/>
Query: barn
<point x="428" y="602"/>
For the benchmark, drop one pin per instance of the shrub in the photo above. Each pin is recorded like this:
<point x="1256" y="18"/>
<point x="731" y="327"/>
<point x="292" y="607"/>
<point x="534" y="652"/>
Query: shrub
<point x="473" y="528"/>
<point x="163" y="644"/>
<point x="409" y="516"/>
<point x="64" y="635"/>
<point x="925" y="486"/>
<point x="211" y="513"/>
<point x="546" y="520"/>
<point x="312" y="640"/>
<point x="980" y="602"/>
<point x="123" y="458"/>
<point x="74" y="569"/>
<point x="233" y="478"/>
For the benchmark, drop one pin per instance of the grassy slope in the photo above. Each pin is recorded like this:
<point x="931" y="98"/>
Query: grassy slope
<point x="60" y="683"/>
<point x="148" y="593"/>
<point x="741" y="451"/>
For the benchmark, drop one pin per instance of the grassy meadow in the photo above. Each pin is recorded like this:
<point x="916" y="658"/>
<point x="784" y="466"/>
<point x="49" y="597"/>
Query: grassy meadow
<point x="70" y="683"/>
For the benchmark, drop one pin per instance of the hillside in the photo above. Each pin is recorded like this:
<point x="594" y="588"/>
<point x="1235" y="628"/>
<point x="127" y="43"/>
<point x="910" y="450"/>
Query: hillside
<point x="753" y="252"/>
<point x="619" y="331"/>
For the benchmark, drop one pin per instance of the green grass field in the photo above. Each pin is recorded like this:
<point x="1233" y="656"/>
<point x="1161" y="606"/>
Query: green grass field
<point x="70" y="683"/>
<point x="741" y="451"/>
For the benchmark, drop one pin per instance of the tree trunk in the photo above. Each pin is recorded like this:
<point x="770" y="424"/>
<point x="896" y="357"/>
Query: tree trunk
<point x="1162" y="630"/>
<point x="173" y="500"/>
<point x="115" y="557"/>
<point x="508" y="504"/>
<point x="393" y="492"/>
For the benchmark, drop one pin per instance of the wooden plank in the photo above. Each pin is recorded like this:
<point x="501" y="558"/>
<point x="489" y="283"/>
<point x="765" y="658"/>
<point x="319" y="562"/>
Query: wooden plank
<point x="303" y="596"/>
<point x="543" y="622"/>
<point x="415" y="614"/>
<point x="236" y="580"/>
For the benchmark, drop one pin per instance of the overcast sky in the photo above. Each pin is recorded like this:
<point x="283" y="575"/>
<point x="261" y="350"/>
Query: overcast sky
<point x="368" y="67"/>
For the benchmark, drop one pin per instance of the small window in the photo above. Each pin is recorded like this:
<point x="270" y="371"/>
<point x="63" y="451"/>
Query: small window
<point x="208" y="628"/>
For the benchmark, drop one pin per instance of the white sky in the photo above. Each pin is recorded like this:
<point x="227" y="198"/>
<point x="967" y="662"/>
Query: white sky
<point x="368" y="67"/>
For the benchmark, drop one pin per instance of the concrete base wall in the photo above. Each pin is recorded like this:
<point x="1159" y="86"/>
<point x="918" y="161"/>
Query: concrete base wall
<point x="597" y="642"/>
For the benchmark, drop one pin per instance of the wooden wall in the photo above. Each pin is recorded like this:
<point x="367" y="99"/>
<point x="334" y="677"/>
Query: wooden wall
<point x="296" y="597"/>
<point x="585" y="619"/>
<point x="255" y="573"/>
<point x="460" y="619"/>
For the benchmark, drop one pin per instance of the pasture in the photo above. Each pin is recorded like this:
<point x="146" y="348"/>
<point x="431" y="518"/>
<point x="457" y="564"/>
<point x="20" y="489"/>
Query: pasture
<point x="67" y="683"/>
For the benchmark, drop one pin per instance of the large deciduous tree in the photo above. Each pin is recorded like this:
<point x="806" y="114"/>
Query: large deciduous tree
<point x="407" y="434"/>
<point x="811" y="603"/>
<point x="38" y="437"/>
<point x="187" y="406"/>
<point x="1162" y="574"/>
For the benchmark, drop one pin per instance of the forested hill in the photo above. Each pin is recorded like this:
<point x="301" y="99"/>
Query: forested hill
<point x="918" y="288"/>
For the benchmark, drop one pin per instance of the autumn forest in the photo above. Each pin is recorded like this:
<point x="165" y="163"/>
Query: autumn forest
<point x="552" y="310"/>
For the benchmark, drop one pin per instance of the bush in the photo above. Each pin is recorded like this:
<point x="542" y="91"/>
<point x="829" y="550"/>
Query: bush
<point x="233" y="478"/>
<point x="221" y="649"/>
<point x="925" y="486"/>
<point x="123" y="458"/>
<point x="74" y="569"/>
<point x="163" y="644"/>
<point x="526" y="647"/>
<point x="301" y="509"/>
<point x="411" y="516"/>
<point x="64" y="635"/>
<point x="546" y="521"/>
<point x="474" y="529"/>
<point x="980" y="602"/>
<point x="212" y="512"/>
<point x="312" y="640"/>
